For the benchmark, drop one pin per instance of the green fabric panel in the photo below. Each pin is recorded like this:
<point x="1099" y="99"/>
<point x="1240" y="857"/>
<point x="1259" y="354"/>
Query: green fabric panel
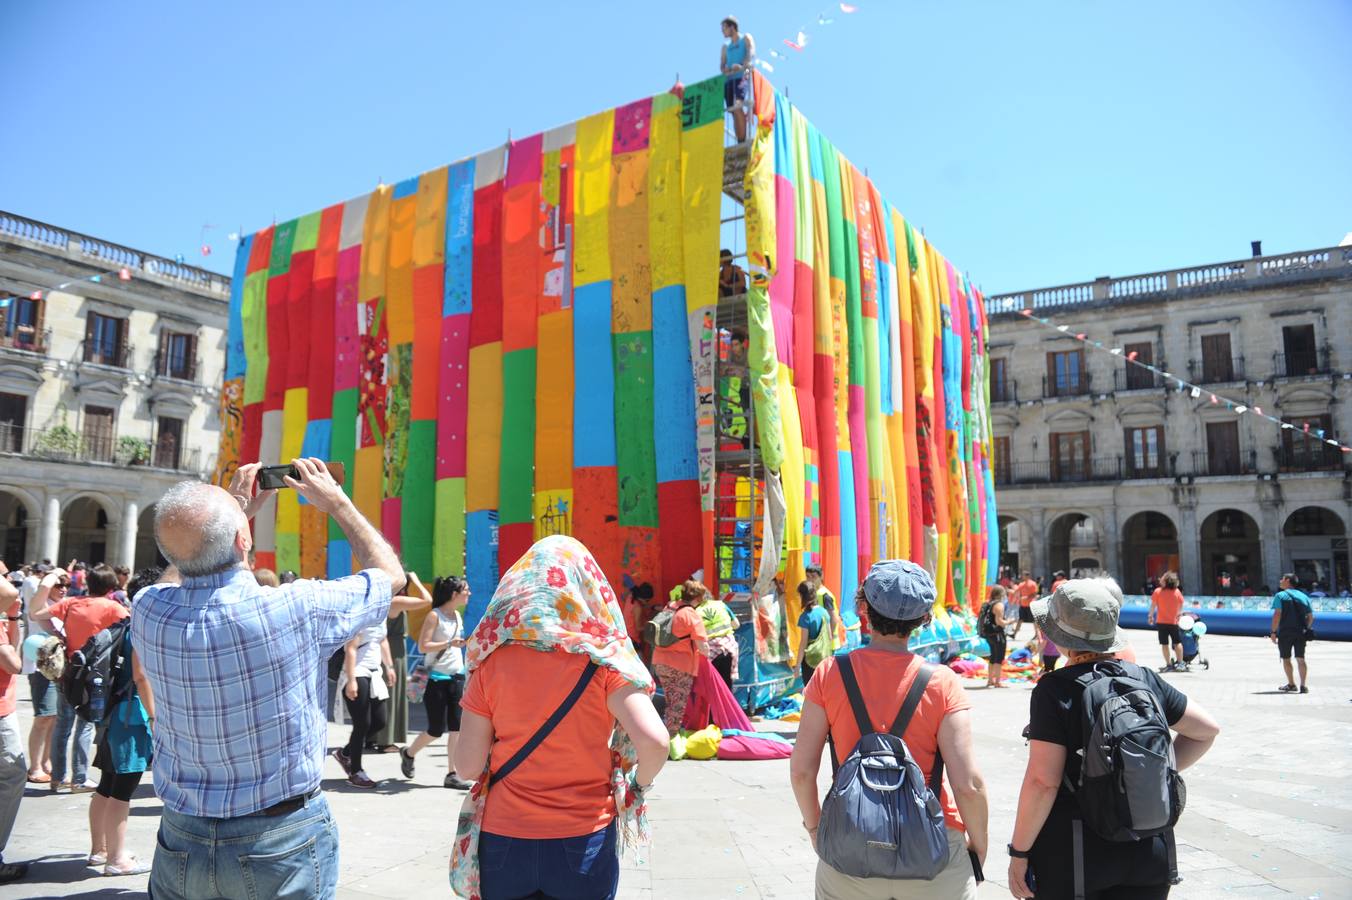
<point x="911" y="252"/>
<point x="516" y="484"/>
<point x="288" y="551"/>
<point x="254" y="316"/>
<point x="282" y="239"/>
<point x="663" y="102"/>
<point x="396" y="420"/>
<point x="854" y="311"/>
<point x="448" y="547"/>
<point x="831" y="184"/>
<point x="343" y="444"/>
<point x="307" y="233"/>
<point x="763" y="365"/>
<point x="635" y="452"/>
<point x="702" y="103"/>
<point x="418" y="509"/>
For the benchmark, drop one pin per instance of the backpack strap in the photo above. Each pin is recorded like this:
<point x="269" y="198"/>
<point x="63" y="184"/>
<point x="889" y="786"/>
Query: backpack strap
<point x="861" y="716"/>
<point x="1077" y="853"/>
<point x="550" y="724"/>
<point x="907" y="711"/>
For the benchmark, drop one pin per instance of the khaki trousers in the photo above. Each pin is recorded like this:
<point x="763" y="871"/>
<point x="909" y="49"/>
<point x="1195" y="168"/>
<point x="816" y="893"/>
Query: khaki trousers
<point x="955" y="882"/>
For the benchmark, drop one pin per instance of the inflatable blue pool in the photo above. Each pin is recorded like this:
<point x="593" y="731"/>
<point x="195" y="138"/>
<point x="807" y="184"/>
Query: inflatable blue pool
<point x="1248" y="616"/>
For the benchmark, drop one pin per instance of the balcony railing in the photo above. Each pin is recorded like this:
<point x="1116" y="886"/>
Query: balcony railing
<point x="1301" y="364"/>
<point x="1134" y="378"/>
<point x="105" y="353"/>
<point x="1063" y="386"/>
<point x="1254" y="273"/>
<point x="27" y="339"/>
<point x="1162" y="468"/>
<point x="1310" y="455"/>
<point x="171" y="365"/>
<point x="1217" y="372"/>
<point x="1204" y="463"/>
<point x="1104" y="469"/>
<point x="1006" y="391"/>
<point x="64" y="444"/>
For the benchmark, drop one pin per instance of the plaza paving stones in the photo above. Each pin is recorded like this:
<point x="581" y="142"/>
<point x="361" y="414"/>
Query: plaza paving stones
<point x="1268" y="813"/>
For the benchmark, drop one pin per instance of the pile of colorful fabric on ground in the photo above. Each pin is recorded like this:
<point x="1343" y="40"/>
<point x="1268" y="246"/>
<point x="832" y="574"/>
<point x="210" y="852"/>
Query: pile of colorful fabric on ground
<point x="522" y="343"/>
<point x="1020" y="665"/>
<point x="715" y="726"/>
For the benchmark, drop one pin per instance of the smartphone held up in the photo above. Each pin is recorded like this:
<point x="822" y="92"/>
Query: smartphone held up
<point x="271" y="477"/>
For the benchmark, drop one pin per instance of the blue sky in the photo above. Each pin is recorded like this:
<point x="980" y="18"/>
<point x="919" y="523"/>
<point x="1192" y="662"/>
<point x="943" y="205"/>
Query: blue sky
<point x="1036" y="142"/>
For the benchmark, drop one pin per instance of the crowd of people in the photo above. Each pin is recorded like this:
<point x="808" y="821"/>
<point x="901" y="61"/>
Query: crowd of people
<point x="225" y="668"/>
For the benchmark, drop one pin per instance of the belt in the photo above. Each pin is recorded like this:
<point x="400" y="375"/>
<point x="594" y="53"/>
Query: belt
<point x="288" y="806"/>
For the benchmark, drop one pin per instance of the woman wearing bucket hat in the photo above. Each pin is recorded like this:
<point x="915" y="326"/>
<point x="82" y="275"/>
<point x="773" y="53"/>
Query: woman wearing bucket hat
<point x="1081" y="618"/>
<point x="897" y="596"/>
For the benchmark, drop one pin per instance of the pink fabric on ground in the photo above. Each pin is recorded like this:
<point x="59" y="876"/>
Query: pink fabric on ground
<point x="711" y="699"/>
<point x="746" y="746"/>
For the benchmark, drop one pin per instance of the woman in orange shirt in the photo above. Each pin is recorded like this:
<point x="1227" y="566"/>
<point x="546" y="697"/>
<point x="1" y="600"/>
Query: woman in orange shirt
<point x="1166" y="602"/>
<point x="677" y="665"/>
<point x="897" y="598"/>
<point x="560" y="788"/>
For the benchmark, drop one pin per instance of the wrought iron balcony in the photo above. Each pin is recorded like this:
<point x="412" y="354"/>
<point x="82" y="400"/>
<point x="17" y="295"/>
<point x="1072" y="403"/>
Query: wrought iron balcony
<point x="1134" y="378"/>
<point x="1310" y="455"/>
<point x="1239" y="463"/>
<point x="106" y="353"/>
<point x="1066" y="386"/>
<point x="175" y="365"/>
<point x="1006" y="391"/>
<point x="28" y="340"/>
<point x="1301" y="364"/>
<point x="1216" y="371"/>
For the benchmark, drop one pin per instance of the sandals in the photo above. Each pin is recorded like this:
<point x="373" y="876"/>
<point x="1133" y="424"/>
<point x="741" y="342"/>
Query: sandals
<point x="1288" y="689"/>
<point x="39" y="778"/>
<point x="137" y="867"/>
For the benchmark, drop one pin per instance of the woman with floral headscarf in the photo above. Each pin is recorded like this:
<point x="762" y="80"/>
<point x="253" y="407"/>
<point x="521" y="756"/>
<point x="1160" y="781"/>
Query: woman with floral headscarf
<point x="553" y="807"/>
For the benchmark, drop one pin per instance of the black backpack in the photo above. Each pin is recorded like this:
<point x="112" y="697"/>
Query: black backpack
<point x="985" y="621"/>
<point x="1129" y="786"/>
<point x="91" y="672"/>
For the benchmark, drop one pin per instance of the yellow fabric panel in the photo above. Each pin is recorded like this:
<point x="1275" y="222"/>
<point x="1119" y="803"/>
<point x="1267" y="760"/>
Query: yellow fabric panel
<point x="591" y="210"/>
<point x="664" y="194"/>
<point x="550" y="179"/>
<point x="399" y="276"/>
<point x="901" y="518"/>
<point x="375" y="245"/>
<point x="314" y="537"/>
<point x="484" y="428"/>
<point x="760" y="205"/>
<point x="631" y="304"/>
<point x="791" y="474"/>
<point x="368" y="484"/>
<point x="702" y="183"/>
<point x="294" y="406"/>
<point x="429" y="232"/>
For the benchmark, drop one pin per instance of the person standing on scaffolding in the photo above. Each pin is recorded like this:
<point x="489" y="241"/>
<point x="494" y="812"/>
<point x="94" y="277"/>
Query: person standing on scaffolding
<point x="739" y="55"/>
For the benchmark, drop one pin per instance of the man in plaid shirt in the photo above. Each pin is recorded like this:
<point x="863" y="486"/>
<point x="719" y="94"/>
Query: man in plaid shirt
<point x="238" y="675"/>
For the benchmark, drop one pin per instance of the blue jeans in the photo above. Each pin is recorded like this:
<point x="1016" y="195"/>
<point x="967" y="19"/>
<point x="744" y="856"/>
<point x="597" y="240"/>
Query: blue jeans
<point x="67" y="722"/>
<point x="576" y="868"/>
<point x="247" y="858"/>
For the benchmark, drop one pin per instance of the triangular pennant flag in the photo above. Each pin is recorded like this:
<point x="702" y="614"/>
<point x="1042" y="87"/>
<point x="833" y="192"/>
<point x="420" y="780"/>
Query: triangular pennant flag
<point x="97" y="279"/>
<point x="124" y="274"/>
<point x="36" y="295"/>
<point x="1063" y="328"/>
<point x="1215" y="399"/>
<point x="1132" y="355"/>
<point x="1080" y="336"/>
<point x="1240" y="409"/>
<point x="1287" y="425"/>
<point x="1116" y="351"/>
<point x="1331" y="443"/>
<point x="1025" y="312"/>
<point x="1258" y="409"/>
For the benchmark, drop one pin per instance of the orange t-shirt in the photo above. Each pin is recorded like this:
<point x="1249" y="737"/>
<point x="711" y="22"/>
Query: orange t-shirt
<point x="1025" y="592"/>
<point x="9" y="684"/>
<point x="563" y="788"/>
<point x="884" y="678"/>
<point x="1168" y="603"/>
<point x="682" y="655"/>
<point x="84" y="617"/>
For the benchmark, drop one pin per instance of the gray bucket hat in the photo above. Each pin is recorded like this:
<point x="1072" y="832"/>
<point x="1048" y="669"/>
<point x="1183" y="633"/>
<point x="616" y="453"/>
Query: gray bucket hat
<point x="1082" y="615"/>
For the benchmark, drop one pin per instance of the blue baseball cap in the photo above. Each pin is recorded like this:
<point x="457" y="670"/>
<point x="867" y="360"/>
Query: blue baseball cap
<point x="899" y="589"/>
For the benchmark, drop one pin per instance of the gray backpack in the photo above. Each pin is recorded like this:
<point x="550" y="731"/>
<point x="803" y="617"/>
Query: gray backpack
<point x="1129" y="787"/>
<point x="880" y="819"/>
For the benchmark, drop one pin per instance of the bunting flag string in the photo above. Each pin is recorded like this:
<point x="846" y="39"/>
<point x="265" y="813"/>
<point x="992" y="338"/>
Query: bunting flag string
<point x="122" y="273"/>
<point x="798" y="41"/>
<point x="1182" y="385"/>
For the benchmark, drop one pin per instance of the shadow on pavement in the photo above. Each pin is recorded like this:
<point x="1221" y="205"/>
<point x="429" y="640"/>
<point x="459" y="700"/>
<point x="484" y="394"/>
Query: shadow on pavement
<point x="69" y="868"/>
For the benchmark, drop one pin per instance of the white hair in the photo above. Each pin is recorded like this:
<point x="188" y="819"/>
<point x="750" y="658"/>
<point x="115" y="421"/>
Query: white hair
<point x="215" y="517"/>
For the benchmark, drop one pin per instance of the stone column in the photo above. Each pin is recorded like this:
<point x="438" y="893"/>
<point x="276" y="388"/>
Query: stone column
<point x="1190" y="550"/>
<point x="49" y="545"/>
<point x="1039" y="526"/>
<point x="1270" y="540"/>
<point x="1111" y="544"/>
<point x="127" y="544"/>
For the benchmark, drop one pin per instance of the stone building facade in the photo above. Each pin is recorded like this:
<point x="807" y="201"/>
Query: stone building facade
<point x="110" y="366"/>
<point x="1101" y="465"/>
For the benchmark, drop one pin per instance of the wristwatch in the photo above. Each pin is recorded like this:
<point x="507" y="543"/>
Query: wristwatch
<point x="1017" y="854"/>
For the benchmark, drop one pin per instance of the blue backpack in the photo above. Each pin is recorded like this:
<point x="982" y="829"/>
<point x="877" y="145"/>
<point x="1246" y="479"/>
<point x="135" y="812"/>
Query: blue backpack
<point x="880" y="819"/>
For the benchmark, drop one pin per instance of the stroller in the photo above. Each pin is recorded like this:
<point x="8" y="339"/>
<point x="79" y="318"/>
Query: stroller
<point x="1193" y="628"/>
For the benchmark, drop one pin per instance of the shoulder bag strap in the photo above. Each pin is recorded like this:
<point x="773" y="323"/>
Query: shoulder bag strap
<point x="550" y="724"/>
<point x="908" y="707"/>
<point x="852" y="692"/>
